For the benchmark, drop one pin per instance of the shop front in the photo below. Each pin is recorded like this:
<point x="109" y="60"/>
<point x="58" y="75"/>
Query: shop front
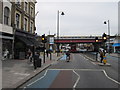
<point x="23" y="42"/>
<point x="6" y="40"/>
<point x="116" y="47"/>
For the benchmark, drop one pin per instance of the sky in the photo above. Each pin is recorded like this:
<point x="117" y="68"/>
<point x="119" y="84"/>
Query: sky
<point x="82" y="18"/>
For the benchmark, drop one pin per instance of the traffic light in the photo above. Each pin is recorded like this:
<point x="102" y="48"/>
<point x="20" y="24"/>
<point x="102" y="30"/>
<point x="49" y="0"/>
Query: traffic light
<point x="43" y="37"/>
<point x="44" y="40"/>
<point x="96" y="39"/>
<point x="104" y="37"/>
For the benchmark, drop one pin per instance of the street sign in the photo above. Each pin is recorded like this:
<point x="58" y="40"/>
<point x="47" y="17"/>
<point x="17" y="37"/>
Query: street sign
<point x="51" y="40"/>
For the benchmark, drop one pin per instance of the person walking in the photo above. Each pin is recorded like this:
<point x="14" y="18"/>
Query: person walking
<point x="68" y="56"/>
<point x="29" y="55"/>
<point x="6" y="53"/>
<point x="101" y="56"/>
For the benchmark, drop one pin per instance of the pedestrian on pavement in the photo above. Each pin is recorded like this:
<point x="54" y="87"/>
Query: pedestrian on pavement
<point x="6" y="53"/>
<point x="29" y="55"/>
<point x="101" y="56"/>
<point x="104" y="52"/>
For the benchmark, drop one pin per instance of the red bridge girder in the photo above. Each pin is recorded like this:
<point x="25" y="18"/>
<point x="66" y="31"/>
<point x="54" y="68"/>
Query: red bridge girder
<point x="76" y="41"/>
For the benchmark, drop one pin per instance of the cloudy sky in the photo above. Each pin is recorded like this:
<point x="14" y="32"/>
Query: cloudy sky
<point x="81" y="17"/>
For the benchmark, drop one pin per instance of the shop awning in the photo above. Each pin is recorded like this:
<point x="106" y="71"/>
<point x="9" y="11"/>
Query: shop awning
<point x="116" y="44"/>
<point x="34" y="41"/>
<point x="25" y="40"/>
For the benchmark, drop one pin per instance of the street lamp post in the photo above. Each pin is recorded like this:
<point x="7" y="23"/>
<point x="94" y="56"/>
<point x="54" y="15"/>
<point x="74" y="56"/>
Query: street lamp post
<point x="104" y="37"/>
<point x="62" y="13"/>
<point x="96" y="40"/>
<point x="13" y="43"/>
<point x="108" y="22"/>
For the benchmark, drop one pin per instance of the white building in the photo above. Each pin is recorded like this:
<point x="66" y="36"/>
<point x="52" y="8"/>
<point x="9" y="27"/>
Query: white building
<point x="6" y="31"/>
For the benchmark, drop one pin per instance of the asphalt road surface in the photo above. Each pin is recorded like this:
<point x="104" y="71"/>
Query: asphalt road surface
<point x="78" y="73"/>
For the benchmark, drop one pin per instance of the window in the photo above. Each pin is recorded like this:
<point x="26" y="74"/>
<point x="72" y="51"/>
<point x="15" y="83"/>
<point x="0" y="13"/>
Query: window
<point x="17" y="2"/>
<point x="25" y="24"/>
<point x="17" y="20"/>
<point x="6" y="15"/>
<point x="31" y="11"/>
<point x="31" y="27"/>
<point x="26" y="6"/>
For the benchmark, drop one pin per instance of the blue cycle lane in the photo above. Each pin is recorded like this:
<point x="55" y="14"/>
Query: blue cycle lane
<point x="53" y="79"/>
<point x="63" y="57"/>
<point x="45" y="81"/>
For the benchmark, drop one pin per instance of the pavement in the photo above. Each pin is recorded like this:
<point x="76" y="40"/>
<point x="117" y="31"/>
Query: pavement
<point x="92" y="57"/>
<point x="115" y="55"/>
<point x="17" y="72"/>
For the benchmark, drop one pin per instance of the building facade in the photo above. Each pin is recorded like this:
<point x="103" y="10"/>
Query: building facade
<point x="116" y="44"/>
<point x="6" y="31"/>
<point x="23" y="23"/>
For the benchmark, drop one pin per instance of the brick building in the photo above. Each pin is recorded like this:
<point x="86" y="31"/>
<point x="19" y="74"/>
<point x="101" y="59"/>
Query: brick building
<point x="23" y="23"/>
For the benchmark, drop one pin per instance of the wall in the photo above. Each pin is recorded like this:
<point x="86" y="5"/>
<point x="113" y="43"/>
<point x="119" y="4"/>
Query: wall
<point x="7" y="28"/>
<point x="1" y="11"/>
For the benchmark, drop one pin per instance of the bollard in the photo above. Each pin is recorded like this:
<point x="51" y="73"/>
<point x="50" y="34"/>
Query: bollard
<point x="39" y="62"/>
<point x="96" y="56"/>
<point x="50" y="56"/>
<point x="104" y="60"/>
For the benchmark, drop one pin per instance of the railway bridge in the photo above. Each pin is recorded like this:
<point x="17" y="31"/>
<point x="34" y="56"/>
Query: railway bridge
<point x="79" y="41"/>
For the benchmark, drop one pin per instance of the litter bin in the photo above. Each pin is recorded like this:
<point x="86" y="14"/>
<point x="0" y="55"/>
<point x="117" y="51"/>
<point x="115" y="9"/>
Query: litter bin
<point x="39" y="62"/>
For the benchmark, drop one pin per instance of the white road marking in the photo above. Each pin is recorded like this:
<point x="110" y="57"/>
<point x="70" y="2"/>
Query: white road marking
<point x="110" y="78"/>
<point x="24" y="88"/>
<point x="102" y="70"/>
<point x="93" y="63"/>
<point x="87" y="58"/>
<point x="77" y="79"/>
<point x="38" y="79"/>
<point x="22" y="74"/>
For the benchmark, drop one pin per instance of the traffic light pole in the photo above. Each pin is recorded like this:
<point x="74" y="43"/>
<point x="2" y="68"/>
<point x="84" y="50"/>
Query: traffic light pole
<point x="44" y="54"/>
<point x="96" y="40"/>
<point x="109" y="37"/>
<point x="44" y="40"/>
<point x="34" y="62"/>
